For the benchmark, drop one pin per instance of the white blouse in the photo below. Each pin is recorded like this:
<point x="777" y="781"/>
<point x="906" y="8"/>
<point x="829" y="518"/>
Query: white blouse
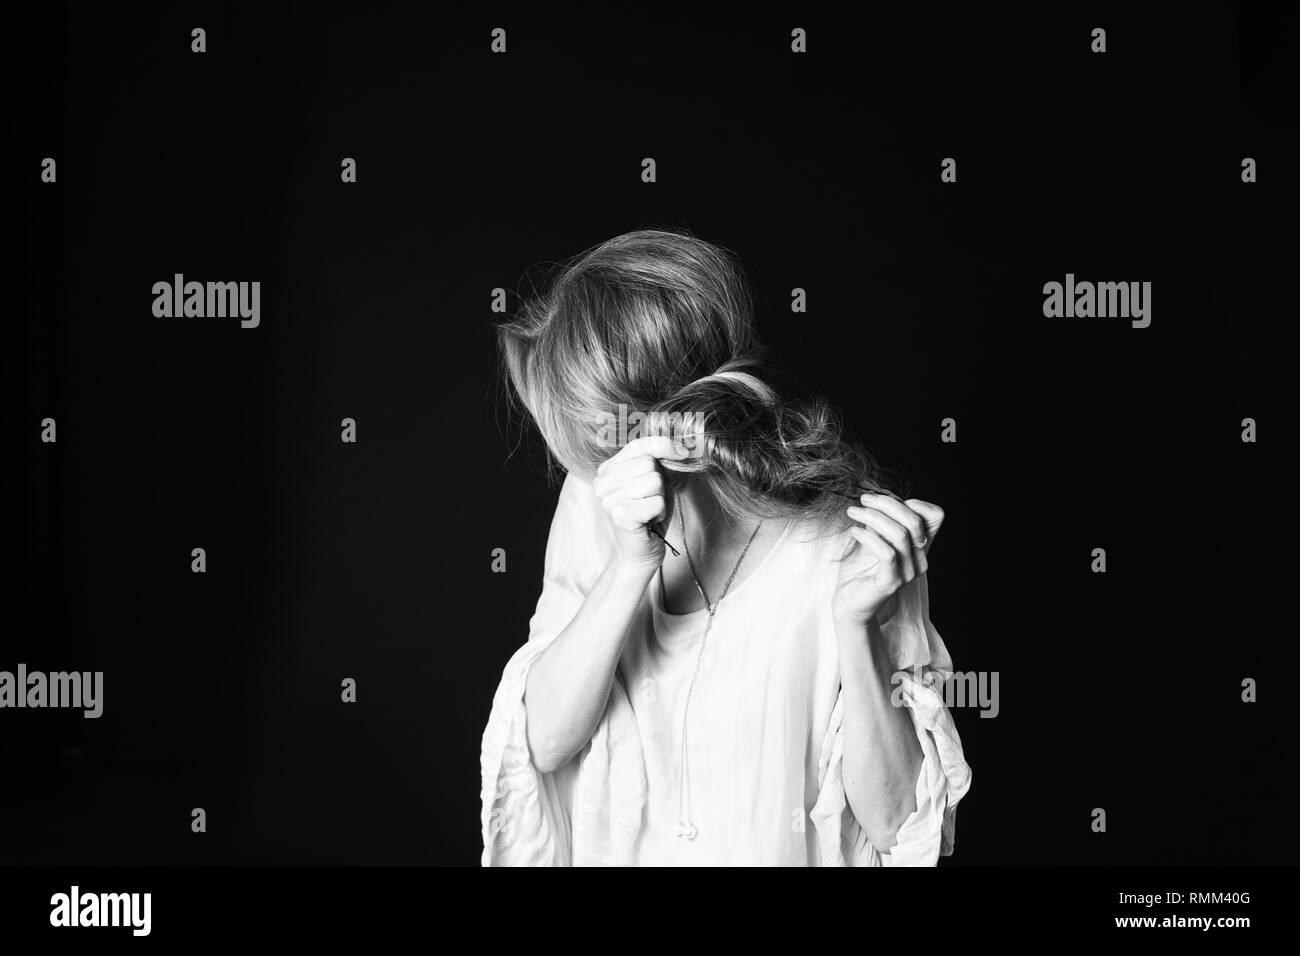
<point x="766" y="737"/>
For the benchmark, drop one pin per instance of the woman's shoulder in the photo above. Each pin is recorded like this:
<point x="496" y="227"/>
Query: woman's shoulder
<point x="819" y="533"/>
<point x="578" y="514"/>
<point x="814" y="545"/>
<point x="579" y="496"/>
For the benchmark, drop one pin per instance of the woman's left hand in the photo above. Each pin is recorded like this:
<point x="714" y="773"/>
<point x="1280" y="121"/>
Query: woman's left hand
<point x="892" y="539"/>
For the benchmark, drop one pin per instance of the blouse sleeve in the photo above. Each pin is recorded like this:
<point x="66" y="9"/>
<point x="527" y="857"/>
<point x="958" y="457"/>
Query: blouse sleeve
<point x="526" y="814"/>
<point x="921" y="666"/>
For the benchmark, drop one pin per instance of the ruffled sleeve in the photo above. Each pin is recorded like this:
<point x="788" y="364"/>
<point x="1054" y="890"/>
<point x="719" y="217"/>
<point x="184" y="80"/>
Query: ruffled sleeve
<point x="588" y="812"/>
<point x="921" y="664"/>
<point x="526" y="814"/>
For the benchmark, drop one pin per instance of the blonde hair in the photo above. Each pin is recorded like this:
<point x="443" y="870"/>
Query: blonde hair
<point x="658" y="324"/>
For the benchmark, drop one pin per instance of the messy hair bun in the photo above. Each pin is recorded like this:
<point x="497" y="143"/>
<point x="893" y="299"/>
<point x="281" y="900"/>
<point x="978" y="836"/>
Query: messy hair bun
<point x="651" y="333"/>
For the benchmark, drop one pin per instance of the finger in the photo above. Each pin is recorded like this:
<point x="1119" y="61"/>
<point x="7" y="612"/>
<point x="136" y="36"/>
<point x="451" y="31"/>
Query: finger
<point x="645" y="510"/>
<point x="635" y="515"/>
<point x="617" y="470"/>
<point x="901" y="513"/>
<point x="886" y="557"/>
<point x="641" y="486"/>
<point x="658" y="446"/>
<point x="931" y="513"/>
<point x="893" y="532"/>
<point x="625" y="479"/>
<point x="921" y="561"/>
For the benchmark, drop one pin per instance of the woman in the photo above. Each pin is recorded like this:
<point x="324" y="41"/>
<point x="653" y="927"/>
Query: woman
<point x="731" y="661"/>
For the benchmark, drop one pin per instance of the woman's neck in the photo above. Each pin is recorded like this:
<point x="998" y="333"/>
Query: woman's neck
<point x="707" y="525"/>
<point x="714" y="543"/>
<point x="710" y="529"/>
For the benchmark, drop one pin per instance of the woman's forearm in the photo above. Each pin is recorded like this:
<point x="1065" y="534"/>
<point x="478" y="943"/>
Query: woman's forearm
<point x="882" y="756"/>
<point x="568" y="685"/>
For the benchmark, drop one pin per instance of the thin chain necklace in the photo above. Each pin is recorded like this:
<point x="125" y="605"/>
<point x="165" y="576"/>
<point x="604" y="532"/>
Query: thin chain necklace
<point x="685" y="828"/>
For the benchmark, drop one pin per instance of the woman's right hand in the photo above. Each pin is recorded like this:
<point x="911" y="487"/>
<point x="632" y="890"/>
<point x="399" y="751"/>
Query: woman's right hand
<point x="633" y="493"/>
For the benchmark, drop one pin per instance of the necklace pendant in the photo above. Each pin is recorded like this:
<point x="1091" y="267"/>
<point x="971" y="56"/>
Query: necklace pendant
<point x="686" y="831"/>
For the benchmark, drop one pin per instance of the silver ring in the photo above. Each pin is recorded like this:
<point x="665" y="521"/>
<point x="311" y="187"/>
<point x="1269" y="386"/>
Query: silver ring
<point x="920" y="545"/>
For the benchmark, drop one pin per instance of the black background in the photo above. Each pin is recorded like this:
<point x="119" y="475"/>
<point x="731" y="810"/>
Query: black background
<point x="372" y="561"/>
